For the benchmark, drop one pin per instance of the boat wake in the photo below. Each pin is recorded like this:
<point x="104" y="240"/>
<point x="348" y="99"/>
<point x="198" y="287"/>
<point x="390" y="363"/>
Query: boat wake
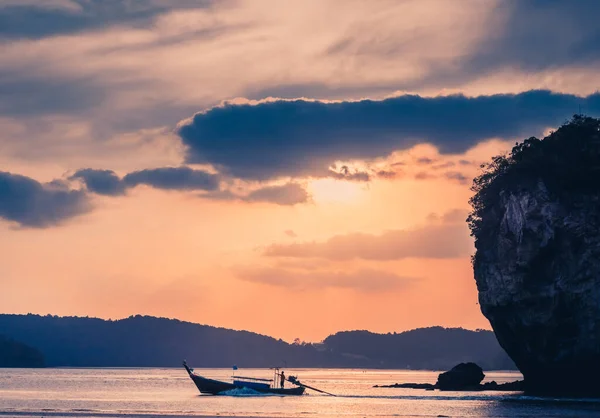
<point x="244" y="392"/>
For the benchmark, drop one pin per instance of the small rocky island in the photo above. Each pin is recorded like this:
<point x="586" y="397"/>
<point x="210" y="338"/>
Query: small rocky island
<point x="536" y="224"/>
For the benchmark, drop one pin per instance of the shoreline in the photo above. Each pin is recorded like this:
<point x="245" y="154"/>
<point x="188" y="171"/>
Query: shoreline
<point x="516" y="386"/>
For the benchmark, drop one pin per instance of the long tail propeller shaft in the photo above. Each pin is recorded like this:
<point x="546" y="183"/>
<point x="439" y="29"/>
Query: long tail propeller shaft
<point x="295" y="381"/>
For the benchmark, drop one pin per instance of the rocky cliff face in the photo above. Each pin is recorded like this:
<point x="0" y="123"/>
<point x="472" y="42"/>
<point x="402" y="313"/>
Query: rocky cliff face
<point x="537" y="268"/>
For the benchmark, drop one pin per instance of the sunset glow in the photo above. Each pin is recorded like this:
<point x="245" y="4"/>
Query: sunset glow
<point x="337" y="191"/>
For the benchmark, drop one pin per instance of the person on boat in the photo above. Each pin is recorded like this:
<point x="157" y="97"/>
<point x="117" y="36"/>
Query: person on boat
<point x="282" y="379"/>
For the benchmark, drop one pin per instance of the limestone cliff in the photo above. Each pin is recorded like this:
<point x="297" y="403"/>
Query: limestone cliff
<point x="536" y="223"/>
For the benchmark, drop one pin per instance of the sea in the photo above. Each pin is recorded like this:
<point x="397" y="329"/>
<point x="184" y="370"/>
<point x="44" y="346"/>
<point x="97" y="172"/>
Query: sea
<point x="160" y="392"/>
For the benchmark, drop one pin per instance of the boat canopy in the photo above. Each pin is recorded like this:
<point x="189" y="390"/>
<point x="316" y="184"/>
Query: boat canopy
<point x="252" y="378"/>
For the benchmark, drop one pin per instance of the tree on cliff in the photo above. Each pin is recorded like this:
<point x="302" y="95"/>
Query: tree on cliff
<point x="567" y="161"/>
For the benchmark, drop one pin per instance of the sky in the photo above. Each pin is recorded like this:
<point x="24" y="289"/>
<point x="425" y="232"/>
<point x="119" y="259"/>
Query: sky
<point x="291" y="168"/>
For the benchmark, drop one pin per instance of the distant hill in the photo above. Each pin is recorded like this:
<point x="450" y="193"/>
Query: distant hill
<point x="145" y="341"/>
<point x="140" y="341"/>
<point x="434" y="348"/>
<point x="16" y="354"/>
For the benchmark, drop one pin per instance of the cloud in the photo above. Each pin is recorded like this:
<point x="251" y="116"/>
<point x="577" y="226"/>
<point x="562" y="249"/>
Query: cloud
<point x="32" y="204"/>
<point x="346" y="173"/>
<point x="544" y="43"/>
<point x="365" y="280"/>
<point x="447" y="240"/>
<point x="84" y="58"/>
<point x="303" y="138"/>
<point x="104" y="182"/>
<point x="107" y="182"/>
<point x="425" y="160"/>
<point x="447" y="164"/>
<point x="123" y="66"/>
<point x="43" y="18"/>
<point x="286" y="195"/>
<point x="423" y="175"/>
<point x="173" y="178"/>
<point x="290" y="233"/>
<point x="539" y="34"/>
<point x="26" y="94"/>
<point x="540" y="43"/>
<point x="388" y="174"/>
<point x="458" y="176"/>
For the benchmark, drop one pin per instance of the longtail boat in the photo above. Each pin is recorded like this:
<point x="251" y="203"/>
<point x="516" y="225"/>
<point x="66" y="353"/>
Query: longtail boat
<point x="216" y="387"/>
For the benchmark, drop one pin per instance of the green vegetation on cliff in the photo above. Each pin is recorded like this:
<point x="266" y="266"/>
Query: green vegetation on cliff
<point x="567" y="162"/>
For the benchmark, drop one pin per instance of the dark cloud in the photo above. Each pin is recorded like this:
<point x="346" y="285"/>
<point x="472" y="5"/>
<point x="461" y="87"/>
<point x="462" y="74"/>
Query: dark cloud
<point x="107" y="182"/>
<point x="425" y="161"/>
<point x="530" y="35"/>
<point x="303" y="138"/>
<point x="32" y="204"/>
<point x="388" y="174"/>
<point x="345" y="173"/>
<point x="104" y="182"/>
<point x="290" y="233"/>
<point x="448" y="240"/>
<point x="286" y="195"/>
<point x="32" y="90"/>
<point x="366" y="280"/>
<point x="455" y="176"/>
<point x="40" y="20"/>
<point x="24" y="93"/>
<point x="423" y="175"/>
<point x="173" y="178"/>
<point x="447" y="164"/>
<point x="540" y="34"/>
<point x="303" y="264"/>
<point x="458" y="176"/>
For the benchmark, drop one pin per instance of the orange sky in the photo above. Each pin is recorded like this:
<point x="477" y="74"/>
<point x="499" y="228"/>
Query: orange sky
<point x="174" y="255"/>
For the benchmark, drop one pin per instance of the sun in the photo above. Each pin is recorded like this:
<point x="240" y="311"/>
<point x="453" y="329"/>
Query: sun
<point x="335" y="191"/>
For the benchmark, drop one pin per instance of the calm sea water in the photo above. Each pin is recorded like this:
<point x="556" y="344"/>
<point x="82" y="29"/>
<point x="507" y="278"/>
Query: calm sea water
<point x="170" y="393"/>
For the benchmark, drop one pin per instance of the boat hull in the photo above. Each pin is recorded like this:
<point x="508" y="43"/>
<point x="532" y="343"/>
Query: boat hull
<point x="216" y="387"/>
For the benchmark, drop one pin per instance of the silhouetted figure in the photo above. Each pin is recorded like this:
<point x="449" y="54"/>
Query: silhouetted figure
<point x="282" y="379"/>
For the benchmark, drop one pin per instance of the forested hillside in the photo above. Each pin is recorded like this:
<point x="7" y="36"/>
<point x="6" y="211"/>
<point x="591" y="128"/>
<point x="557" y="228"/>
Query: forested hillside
<point x="145" y="341"/>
